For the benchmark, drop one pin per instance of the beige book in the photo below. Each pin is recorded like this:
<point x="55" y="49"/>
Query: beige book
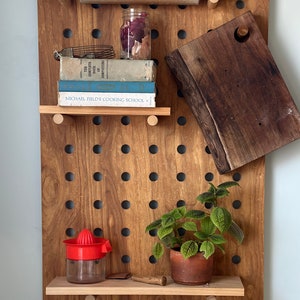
<point x="107" y="69"/>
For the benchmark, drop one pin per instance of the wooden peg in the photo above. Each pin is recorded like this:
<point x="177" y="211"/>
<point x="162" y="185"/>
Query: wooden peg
<point x="242" y="31"/>
<point x="90" y="297"/>
<point x="152" y="120"/>
<point x="212" y="3"/>
<point x="211" y="298"/>
<point x="159" y="280"/>
<point x="60" y="119"/>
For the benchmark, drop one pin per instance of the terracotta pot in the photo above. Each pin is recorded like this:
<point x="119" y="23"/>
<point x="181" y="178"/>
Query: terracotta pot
<point x="192" y="271"/>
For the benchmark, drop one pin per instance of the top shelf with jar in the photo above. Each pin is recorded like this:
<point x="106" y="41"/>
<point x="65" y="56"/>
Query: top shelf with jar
<point x="210" y="3"/>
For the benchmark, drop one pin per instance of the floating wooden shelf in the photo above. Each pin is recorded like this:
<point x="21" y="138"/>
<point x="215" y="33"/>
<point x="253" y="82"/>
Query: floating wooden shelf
<point x="219" y="286"/>
<point x="61" y="114"/>
<point x="76" y="110"/>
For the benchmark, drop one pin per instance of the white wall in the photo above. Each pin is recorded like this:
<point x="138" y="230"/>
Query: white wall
<point x="20" y="207"/>
<point x="20" y="215"/>
<point x="282" y="203"/>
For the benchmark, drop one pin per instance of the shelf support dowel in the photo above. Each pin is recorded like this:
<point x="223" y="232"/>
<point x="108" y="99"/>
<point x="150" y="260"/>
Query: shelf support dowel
<point x="152" y="120"/>
<point x="61" y="119"/>
<point x="212" y="3"/>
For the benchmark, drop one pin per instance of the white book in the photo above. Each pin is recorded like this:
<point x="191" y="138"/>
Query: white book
<point x="106" y="99"/>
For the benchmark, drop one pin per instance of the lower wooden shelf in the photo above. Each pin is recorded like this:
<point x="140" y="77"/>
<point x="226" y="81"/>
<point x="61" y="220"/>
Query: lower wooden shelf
<point x="219" y="286"/>
<point x="93" y="110"/>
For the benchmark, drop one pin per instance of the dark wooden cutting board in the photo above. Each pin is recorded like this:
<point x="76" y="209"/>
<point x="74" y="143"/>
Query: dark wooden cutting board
<point x="236" y="93"/>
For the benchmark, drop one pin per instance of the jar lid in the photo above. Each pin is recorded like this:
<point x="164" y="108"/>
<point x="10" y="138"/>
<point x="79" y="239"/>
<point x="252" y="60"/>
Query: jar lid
<point x="87" y="247"/>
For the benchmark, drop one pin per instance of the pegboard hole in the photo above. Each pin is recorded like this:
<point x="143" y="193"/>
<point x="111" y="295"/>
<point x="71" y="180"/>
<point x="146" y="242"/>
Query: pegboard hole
<point x="181" y="121"/>
<point x="154" y="34"/>
<point x="125" y="259"/>
<point x="98" y="232"/>
<point x="153" y="149"/>
<point x="236" y="204"/>
<point x="97" y="120"/>
<point x="125" y="176"/>
<point x="153" y="232"/>
<point x="181" y="231"/>
<point x="182" y="6"/>
<point x="179" y="94"/>
<point x="208" y="205"/>
<point x="181" y="176"/>
<point x="96" y="33"/>
<point x="153" y="6"/>
<point x="207" y="150"/>
<point x="124" y="6"/>
<point x="69" y="149"/>
<point x="236" y="259"/>
<point x="125" y="149"/>
<point x="153" y="176"/>
<point x="236" y="176"/>
<point x="125" y="204"/>
<point x="240" y="4"/>
<point x="67" y="33"/>
<point x="95" y="6"/>
<point x="153" y="204"/>
<point x="69" y="176"/>
<point x="97" y="149"/>
<point x="125" y="120"/>
<point x="98" y="176"/>
<point x="152" y="260"/>
<point x="69" y="204"/>
<point x="181" y="149"/>
<point x="180" y="203"/>
<point x="70" y="232"/>
<point x="98" y="204"/>
<point x="181" y="34"/>
<point x="209" y="176"/>
<point x="125" y="232"/>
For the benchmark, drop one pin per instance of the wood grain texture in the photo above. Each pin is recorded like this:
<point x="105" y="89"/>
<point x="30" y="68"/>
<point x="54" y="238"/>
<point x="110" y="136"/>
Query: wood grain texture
<point x="144" y="2"/>
<point x="236" y="93"/>
<point x="220" y="285"/>
<point x="108" y="133"/>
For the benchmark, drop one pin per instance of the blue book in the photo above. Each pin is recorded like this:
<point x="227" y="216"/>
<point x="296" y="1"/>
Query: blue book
<point x="106" y="86"/>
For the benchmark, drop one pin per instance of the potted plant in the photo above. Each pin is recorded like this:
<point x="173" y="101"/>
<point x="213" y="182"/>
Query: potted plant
<point x="194" y="235"/>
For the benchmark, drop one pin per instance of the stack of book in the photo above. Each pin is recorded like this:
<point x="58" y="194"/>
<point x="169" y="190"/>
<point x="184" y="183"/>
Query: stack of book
<point x="106" y="82"/>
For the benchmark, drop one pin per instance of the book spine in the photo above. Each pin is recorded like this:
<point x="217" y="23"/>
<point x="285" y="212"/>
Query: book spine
<point x="106" y="99"/>
<point x="107" y="69"/>
<point x="106" y="86"/>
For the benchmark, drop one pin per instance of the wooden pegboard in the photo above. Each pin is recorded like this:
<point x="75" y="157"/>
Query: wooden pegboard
<point x="90" y="180"/>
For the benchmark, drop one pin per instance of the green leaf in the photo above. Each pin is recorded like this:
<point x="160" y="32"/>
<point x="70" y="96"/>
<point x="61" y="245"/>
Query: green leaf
<point x="227" y="184"/>
<point x="190" y="226"/>
<point x="153" y="225"/>
<point x="221" y="217"/>
<point x="235" y="231"/>
<point x="195" y="214"/>
<point x="189" y="248"/>
<point x="217" y="239"/>
<point x="222" y="193"/>
<point x="201" y="235"/>
<point x="207" y="226"/>
<point x="207" y="248"/>
<point x="158" y="250"/>
<point x="180" y="212"/>
<point x="164" y="231"/>
<point x="167" y="220"/>
<point x="206" y="197"/>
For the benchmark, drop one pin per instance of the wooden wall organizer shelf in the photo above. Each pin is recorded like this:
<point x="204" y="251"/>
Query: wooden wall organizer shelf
<point x="113" y="173"/>
<point x="219" y="286"/>
<point x="59" y="112"/>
